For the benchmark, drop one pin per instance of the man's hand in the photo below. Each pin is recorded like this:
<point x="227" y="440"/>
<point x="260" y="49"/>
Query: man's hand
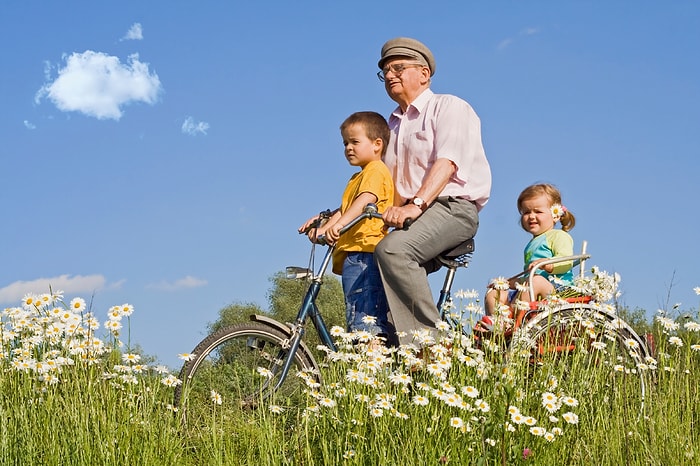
<point x="396" y="216"/>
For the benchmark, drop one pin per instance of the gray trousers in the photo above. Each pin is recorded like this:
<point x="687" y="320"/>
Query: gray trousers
<point x="405" y="259"/>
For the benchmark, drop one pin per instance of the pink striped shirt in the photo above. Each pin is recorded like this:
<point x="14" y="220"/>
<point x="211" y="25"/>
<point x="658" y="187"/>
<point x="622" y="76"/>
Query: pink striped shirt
<point x="438" y="126"/>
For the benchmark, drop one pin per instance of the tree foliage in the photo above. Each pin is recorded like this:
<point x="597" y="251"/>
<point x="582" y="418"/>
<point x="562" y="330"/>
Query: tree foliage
<point x="286" y="296"/>
<point x="235" y="313"/>
<point x="636" y="318"/>
<point x="284" y="299"/>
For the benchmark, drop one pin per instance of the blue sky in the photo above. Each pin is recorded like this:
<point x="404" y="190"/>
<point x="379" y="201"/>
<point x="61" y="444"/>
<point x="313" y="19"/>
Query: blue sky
<point x="163" y="153"/>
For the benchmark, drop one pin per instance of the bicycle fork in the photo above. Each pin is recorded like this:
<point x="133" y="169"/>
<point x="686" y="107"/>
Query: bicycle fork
<point x="308" y="309"/>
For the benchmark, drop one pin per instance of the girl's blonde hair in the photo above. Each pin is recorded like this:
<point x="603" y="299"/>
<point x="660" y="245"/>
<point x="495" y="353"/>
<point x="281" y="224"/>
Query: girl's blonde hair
<point x="567" y="219"/>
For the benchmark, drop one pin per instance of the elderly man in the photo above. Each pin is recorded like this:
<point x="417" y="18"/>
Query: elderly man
<point x="442" y="180"/>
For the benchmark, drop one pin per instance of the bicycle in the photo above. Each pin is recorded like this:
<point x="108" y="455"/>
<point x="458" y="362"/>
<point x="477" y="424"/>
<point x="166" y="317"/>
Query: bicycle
<point x="556" y="328"/>
<point x="250" y="362"/>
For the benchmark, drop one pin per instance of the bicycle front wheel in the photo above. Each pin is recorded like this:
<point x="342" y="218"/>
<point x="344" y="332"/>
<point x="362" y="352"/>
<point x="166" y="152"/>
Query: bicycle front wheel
<point x="239" y="367"/>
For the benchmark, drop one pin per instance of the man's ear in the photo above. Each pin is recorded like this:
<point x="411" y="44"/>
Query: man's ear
<point x="425" y="75"/>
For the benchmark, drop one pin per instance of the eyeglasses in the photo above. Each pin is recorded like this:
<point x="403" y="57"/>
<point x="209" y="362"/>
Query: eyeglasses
<point x="397" y="69"/>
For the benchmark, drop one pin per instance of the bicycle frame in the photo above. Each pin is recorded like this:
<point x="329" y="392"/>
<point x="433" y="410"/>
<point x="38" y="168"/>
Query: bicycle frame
<point x="308" y="308"/>
<point x="452" y="260"/>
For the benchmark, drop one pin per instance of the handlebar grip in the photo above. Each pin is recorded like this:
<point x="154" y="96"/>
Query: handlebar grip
<point x="320" y="220"/>
<point x="406" y="223"/>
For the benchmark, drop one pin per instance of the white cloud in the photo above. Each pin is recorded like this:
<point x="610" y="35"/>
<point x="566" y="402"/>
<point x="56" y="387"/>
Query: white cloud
<point x="182" y="283"/>
<point x="29" y="125"/>
<point x="135" y="32"/>
<point x="14" y="292"/>
<point x="505" y="43"/>
<point x="193" y="128"/>
<point x="98" y="85"/>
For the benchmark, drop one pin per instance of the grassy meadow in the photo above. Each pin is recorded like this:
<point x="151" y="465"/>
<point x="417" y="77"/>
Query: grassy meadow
<point x="72" y="393"/>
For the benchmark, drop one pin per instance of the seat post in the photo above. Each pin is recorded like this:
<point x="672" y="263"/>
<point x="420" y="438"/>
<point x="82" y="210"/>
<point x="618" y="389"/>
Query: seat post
<point x="445" y="291"/>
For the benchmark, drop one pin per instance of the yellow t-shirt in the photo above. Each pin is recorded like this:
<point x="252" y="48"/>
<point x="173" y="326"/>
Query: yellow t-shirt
<point x="373" y="178"/>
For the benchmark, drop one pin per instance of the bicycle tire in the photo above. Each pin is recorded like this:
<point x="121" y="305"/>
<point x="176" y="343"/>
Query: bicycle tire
<point x="225" y="366"/>
<point x="598" y="342"/>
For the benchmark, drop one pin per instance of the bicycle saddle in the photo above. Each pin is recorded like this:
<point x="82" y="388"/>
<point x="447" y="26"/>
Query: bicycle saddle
<point x="459" y="255"/>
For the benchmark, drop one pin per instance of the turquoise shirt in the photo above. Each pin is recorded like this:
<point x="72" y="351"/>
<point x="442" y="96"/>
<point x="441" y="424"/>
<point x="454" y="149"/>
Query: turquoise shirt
<point x="552" y="243"/>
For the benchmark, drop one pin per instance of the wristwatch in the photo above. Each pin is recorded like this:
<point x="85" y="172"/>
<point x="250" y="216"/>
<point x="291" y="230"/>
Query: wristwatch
<point x="420" y="203"/>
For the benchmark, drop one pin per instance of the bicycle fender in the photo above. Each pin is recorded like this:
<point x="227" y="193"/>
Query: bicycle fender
<point x="284" y="329"/>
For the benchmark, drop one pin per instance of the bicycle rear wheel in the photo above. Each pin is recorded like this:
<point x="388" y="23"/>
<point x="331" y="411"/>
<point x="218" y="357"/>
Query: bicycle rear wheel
<point x="238" y="367"/>
<point x="591" y="350"/>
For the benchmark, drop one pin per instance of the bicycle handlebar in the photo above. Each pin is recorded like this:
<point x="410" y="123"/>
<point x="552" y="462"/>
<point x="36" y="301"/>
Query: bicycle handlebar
<point x="576" y="260"/>
<point x="374" y="214"/>
<point x="370" y="211"/>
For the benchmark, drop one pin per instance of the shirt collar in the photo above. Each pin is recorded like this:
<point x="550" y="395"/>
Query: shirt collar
<point x="418" y="104"/>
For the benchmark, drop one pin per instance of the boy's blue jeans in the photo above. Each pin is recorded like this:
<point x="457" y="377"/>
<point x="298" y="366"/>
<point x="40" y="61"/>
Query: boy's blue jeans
<point x="364" y="295"/>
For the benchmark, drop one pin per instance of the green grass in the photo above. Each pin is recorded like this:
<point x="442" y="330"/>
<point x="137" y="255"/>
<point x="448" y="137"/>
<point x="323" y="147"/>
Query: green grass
<point x="68" y="398"/>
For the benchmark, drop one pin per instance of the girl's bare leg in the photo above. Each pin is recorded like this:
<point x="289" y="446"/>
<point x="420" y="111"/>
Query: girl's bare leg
<point x="492" y="296"/>
<point x="542" y="288"/>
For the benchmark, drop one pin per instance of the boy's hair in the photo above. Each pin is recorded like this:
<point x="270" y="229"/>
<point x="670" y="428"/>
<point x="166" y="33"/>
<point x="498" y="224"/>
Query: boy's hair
<point x="374" y="124"/>
<point x="552" y="193"/>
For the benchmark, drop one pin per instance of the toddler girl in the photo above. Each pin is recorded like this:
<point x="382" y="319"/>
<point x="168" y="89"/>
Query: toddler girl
<point x="540" y="209"/>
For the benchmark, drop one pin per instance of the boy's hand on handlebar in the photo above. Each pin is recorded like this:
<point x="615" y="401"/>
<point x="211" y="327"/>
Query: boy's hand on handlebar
<point x="395" y="216"/>
<point x="333" y="233"/>
<point x="311" y="229"/>
<point x="308" y="225"/>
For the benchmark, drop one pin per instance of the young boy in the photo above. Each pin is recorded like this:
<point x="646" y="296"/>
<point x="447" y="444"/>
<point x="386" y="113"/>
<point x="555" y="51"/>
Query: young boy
<point x="365" y="137"/>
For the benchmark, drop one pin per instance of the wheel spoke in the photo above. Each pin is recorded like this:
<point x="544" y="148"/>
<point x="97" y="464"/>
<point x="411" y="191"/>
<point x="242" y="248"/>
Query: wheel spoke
<point x="594" y="353"/>
<point x="236" y="367"/>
